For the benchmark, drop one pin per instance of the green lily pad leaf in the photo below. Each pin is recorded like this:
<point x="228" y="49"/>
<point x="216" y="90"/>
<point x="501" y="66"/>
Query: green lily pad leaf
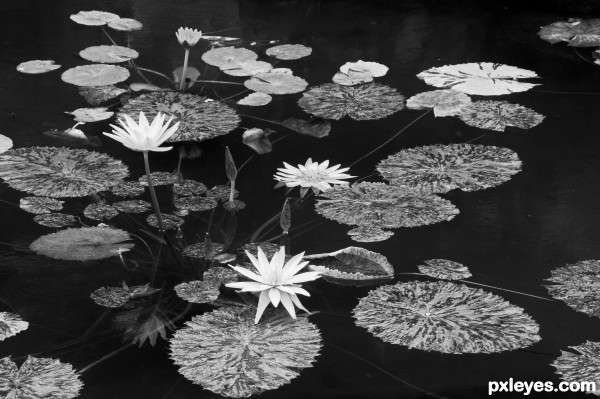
<point x="383" y="206"/>
<point x="195" y="203"/>
<point x="440" y="168"/>
<point x="198" y="291"/>
<point x="93" y="18"/>
<point x="128" y="189"/>
<point x="497" y="115"/>
<point x="146" y="87"/>
<point x="276" y="83"/>
<point x="110" y="297"/>
<point x="258" y="140"/>
<point x="95" y="75"/>
<point x="59" y="172"/>
<point x="92" y="114"/>
<point x="577" y="285"/>
<point x="100" y="212"/>
<point x="108" y="54"/>
<point x="40" y="205"/>
<point x="200" y="118"/>
<point x="98" y="95"/>
<point x="38" y="377"/>
<point x="447" y="102"/>
<point x="132" y="206"/>
<point x="289" y="51"/>
<point x="316" y="127"/>
<point x="352" y="78"/>
<point x="267" y="247"/>
<point x="56" y="220"/>
<point x="191" y="75"/>
<point x="374" y="69"/>
<point x="245" y="68"/>
<point x="189" y="187"/>
<point x="255" y="99"/>
<point x="369" y="234"/>
<point x="576" y="32"/>
<point x="581" y="365"/>
<point x="158" y="179"/>
<point x="363" y="102"/>
<point x="479" y="78"/>
<point x="445" y="269"/>
<point x="84" y="243"/>
<point x="221" y="193"/>
<point x="226" y="353"/>
<point x="37" y="66"/>
<point x="125" y="24"/>
<point x="169" y="221"/>
<point x="199" y="250"/>
<point x="233" y="206"/>
<point x="351" y="266"/>
<point x="222" y="55"/>
<point x="445" y="317"/>
<point x="11" y="324"/>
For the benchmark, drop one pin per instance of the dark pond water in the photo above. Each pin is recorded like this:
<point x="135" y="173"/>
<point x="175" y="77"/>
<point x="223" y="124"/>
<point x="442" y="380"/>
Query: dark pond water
<point x="510" y="236"/>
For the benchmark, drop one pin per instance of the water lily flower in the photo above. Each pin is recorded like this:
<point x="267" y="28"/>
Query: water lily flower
<point x="144" y="136"/>
<point x="276" y="281"/>
<point x="188" y="37"/>
<point x="318" y="177"/>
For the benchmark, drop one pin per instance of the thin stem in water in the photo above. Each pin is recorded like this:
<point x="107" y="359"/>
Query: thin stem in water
<point x="183" y="72"/>
<point x="161" y="225"/>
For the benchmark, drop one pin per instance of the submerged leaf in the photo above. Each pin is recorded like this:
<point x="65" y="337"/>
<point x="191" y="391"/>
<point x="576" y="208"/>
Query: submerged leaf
<point x="93" y="18"/>
<point x="95" y="75"/>
<point x="289" y="51"/>
<point x="447" y="102"/>
<point x="479" y="78"/>
<point x="316" y="127"/>
<point x="40" y="205"/>
<point x="276" y="83"/>
<point x="441" y="168"/>
<point x="445" y="317"/>
<point x="258" y="140"/>
<point x="108" y="54"/>
<point x="11" y="324"/>
<point x="255" y="99"/>
<point x="578" y="286"/>
<point x="98" y="95"/>
<point x="191" y="75"/>
<point x="221" y="192"/>
<point x="55" y="220"/>
<point x="497" y="115"/>
<point x="580" y="366"/>
<point x="143" y="323"/>
<point x="37" y="66"/>
<point x="576" y="32"/>
<point x="363" y="102"/>
<point x="445" y="269"/>
<point x="226" y="353"/>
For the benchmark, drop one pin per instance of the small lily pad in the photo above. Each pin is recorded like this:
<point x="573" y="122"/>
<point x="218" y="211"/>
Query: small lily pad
<point x="40" y="205"/>
<point x="95" y="75"/>
<point x="158" y="179"/>
<point x="55" y="220"/>
<point x="445" y="269"/>
<point x="221" y="192"/>
<point x="169" y="221"/>
<point x="198" y="291"/>
<point x="195" y="203"/>
<point x="289" y="51"/>
<point x="276" y="83"/>
<point x="99" y="94"/>
<point x="191" y="75"/>
<point x="255" y="99"/>
<point x="268" y="248"/>
<point x="108" y="54"/>
<point x="92" y="114"/>
<point x="189" y="187"/>
<point x="497" y="115"/>
<point x="94" y="18"/>
<point x="352" y="78"/>
<point x="128" y="189"/>
<point x="576" y="32"/>
<point x="125" y="24"/>
<point x="375" y="69"/>
<point x="199" y="250"/>
<point x="245" y="68"/>
<point x="110" y="297"/>
<point x="37" y="66"/>
<point x="447" y="102"/>
<point x="11" y="324"/>
<point x="132" y="206"/>
<point x="233" y="206"/>
<point x="369" y="234"/>
<point x="146" y="87"/>
<point x="100" y="211"/>
<point x="258" y="140"/>
<point x="578" y="286"/>
<point x="222" y="55"/>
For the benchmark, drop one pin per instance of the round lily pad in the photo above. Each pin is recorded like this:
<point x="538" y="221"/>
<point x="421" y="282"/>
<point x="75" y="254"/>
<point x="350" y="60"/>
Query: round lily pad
<point x="95" y="75"/>
<point x="100" y="212"/>
<point x="169" y="221"/>
<point x="233" y="206"/>
<point x="128" y="189"/>
<point x="158" y="179"/>
<point x="444" y="269"/>
<point x="374" y="69"/>
<point x="189" y="187"/>
<point x="255" y="100"/>
<point x="576" y="32"/>
<point x="199" y="250"/>
<point x="289" y="51"/>
<point x="578" y="286"/>
<point x="369" y="234"/>
<point x="92" y="114"/>
<point x="220" y="56"/>
<point x="99" y="94"/>
<point x="276" y="83"/>
<point x="40" y="205"/>
<point x="37" y="66"/>
<point x="444" y="102"/>
<point x="110" y="297"/>
<point x="93" y="18"/>
<point x="195" y="203"/>
<point x="245" y="68"/>
<point x="497" y="115"/>
<point x="132" y="206"/>
<point x="56" y="220"/>
<point x="108" y="54"/>
<point x="198" y="291"/>
<point x="221" y="192"/>
<point x="125" y="24"/>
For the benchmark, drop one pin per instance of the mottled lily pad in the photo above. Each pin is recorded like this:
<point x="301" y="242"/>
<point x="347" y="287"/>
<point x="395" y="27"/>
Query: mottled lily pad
<point x="56" y="220"/>
<point x="128" y="189"/>
<point x="316" y="127"/>
<point x="195" y="203"/>
<point x="108" y="54"/>
<point x="115" y="297"/>
<point x="245" y="68"/>
<point x="480" y="78"/>
<point x="445" y="317"/>
<point x="576" y="32"/>
<point x="85" y="243"/>
<point x="221" y="192"/>
<point x="226" y="353"/>
<point x="98" y="95"/>
<point x="92" y="114"/>
<point x="369" y="234"/>
<point x="276" y="83"/>
<point x="497" y="115"/>
<point x="580" y="366"/>
<point x="289" y="51"/>
<point x="38" y="378"/>
<point x="198" y="291"/>
<point x="268" y="248"/>
<point x="447" y="102"/>
<point x="578" y="285"/>
<point x="199" y="250"/>
<point x="200" y="118"/>
<point x="132" y="206"/>
<point x="189" y="187"/>
<point x="94" y="18"/>
<point x="59" y="172"/>
<point x="125" y="24"/>
<point x="169" y="221"/>
<point x="95" y="75"/>
<point x="258" y="140"/>
<point x="223" y="55"/>
<point x="37" y="66"/>
<point x="234" y="206"/>
<point x="374" y="69"/>
<point x="255" y="99"/>
<point x="100" y="211"/>
<point x="445" y="269"/>
<point x="158" y="179"/>
<point x="363" y="102"/>
<point x="11" y="324"/>
<point x="40" y="205"/>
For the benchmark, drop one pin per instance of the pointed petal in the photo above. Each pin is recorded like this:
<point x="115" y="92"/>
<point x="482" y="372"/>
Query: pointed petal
<point x="261" y="269"/>
<point x="291" y="267"/>
<point x="274" y="296"/>
<point x="292" y="289"/>
<point x="288" y="304"/>
<point x="248" y="286"/>
<point x="263" y="302"/>
<point x="249" y="274"/>
<point x="303" y="277"/>
<point x="297" y="302"/>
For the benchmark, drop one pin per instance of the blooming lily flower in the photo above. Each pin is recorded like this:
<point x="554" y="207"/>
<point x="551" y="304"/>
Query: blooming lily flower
<point x="143" y="136"/>
<point x="188" y="37"/>
<point x="311" y="175"/>
<point x="276" y="281"/>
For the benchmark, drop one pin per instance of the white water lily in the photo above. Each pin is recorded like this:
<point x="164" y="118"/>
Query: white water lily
<point x="188" y="37"/>
<point x="313" y="175"/>
<point x="277" y="281"/>
<point x="144" y="136"/>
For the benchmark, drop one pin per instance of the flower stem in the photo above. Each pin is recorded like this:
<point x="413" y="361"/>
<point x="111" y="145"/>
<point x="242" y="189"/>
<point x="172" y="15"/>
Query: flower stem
<point x="161" y="225"/>
<point x="185" y="64"/>
<point x="232" y="191"/>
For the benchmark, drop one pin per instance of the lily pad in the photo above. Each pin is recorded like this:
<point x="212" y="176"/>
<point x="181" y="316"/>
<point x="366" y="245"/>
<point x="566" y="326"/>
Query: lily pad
<point x="108" y="54"/>
<point x="56" y="220"/>
<point x="369" y="234"/>
<point x="276" y="83"/>
<point x="93" y="18"/>
<point x="258" y="140"/>
<point x="128" y="189"/>
<point x="441" y="168"/>
<point x="199" y="250"/>
<point x="576" y="32"/>
<point x="289" y="51"/>
<point x="578" y="286"/>
<point x="100" y="211"/>
<point x="5" y="143"/>
<point x="445" y="317"/>
<point x="352" y="78"/>
<point x="363" y="102"/>
<point x="189" y="187"/>
<point x="125" y="24"/>
<point x="95" y="75"/>
<point x="37" y="66"/>
<point x="38" y="378"/>
<point x="374" y="69"/>
<point x="195" y="203"/>
<point x="40" y="205"/>
<point x="316" y="127"/>
<point x="580" y="366"/>
<point x="255" y="99"/>
<point x="191" y="75"/>
<point x="99" y="94"/>
<point x="158" y="179"/>
<point x="147" y="87"/>
<point x="115" y="297"/>
<point x="59" y="172"/>
<point x="198" y="291"/>
<point x="234" y="206"/>
<point x="200" y="118"/>
<point x="445" y="269"/>
<point x="92" y="114"/>
<point x="351" y="266"/>
<point x="226" y="353"/>
<point x="245" y="68"/>
<point x="222" y="55"/>
<point x="132" y="206"/>
<point x="169" y="221"/>
<point x="447" y="102"/>
<point x="497" y="115"/>
<point x="267" y="247"/>
<point x="11" y="324"/>
<point x="84" y="243"/>
<point x="221" y="193"/>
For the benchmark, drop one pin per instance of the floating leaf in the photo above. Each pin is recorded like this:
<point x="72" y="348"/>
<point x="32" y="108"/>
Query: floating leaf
<point x="125" y="24"/>
<point x="576" y="32"/>
<point x="92" y="114"/>
<point x="189" y="187"/>
<point x="245" y="68"/>
<point x="132" y="206"/>
<point x="98" y="95"/>
<point x="258" y="140"/>
<point x="383" y="206"/>
<point x="73" y="138"/>
<point x="10" y="324"/>
<point x="221" y="192"/>
<point x="369" y="234"/>
<point x="441" y="168"/>
<point x="95" y="75"/>
<point x="315" y="127"/>
<point x="169" y="221"/>
<point x="289" y="51"/>
<point x="55" y="220"/>
<point x="146" y="87"/>
<point x="255" y="99"/>
<point x="38" y="378"/>
<point x="447" y="102"/>
<point x="200" y="251"/>
<point x="352" y="78"/>
<point x="93" y="18"/>
<point x="375" y="69"/>
<point x="110" y="297"/>
<point x="128" y="189"/>
<point x="445" y="317"/>
<point x="200" y="119"/>
<point x="158" y="179"/>
<point x="580" y="366"/>
<point x="108" y="54"/>
<point x="267" y="247"/>
<point x="222" y="55"/>
<point x="40" y="205"/>
<point x="100" y="212"/>
<point x="233" y="206"/>
<point x="496" y="115"/>
<point x="352" y="265"/>
<point x="276" y="83"/>
<point x="219" y="40"/>
<point x="198" y="291"/>
<point x="577" y="285"/>
<point x="226" y="353"/>
<point x="191" y="75"/>
<point x="37" y="66"/>
<point x="84" y="243"/>
<point x="445" y="269"/>
<point x="195" y="203"/>
<point x="479" y="78"/>
<point x="363" y="102"/>
<point x="5" y="143"/>
<point x="60" y="172"/>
